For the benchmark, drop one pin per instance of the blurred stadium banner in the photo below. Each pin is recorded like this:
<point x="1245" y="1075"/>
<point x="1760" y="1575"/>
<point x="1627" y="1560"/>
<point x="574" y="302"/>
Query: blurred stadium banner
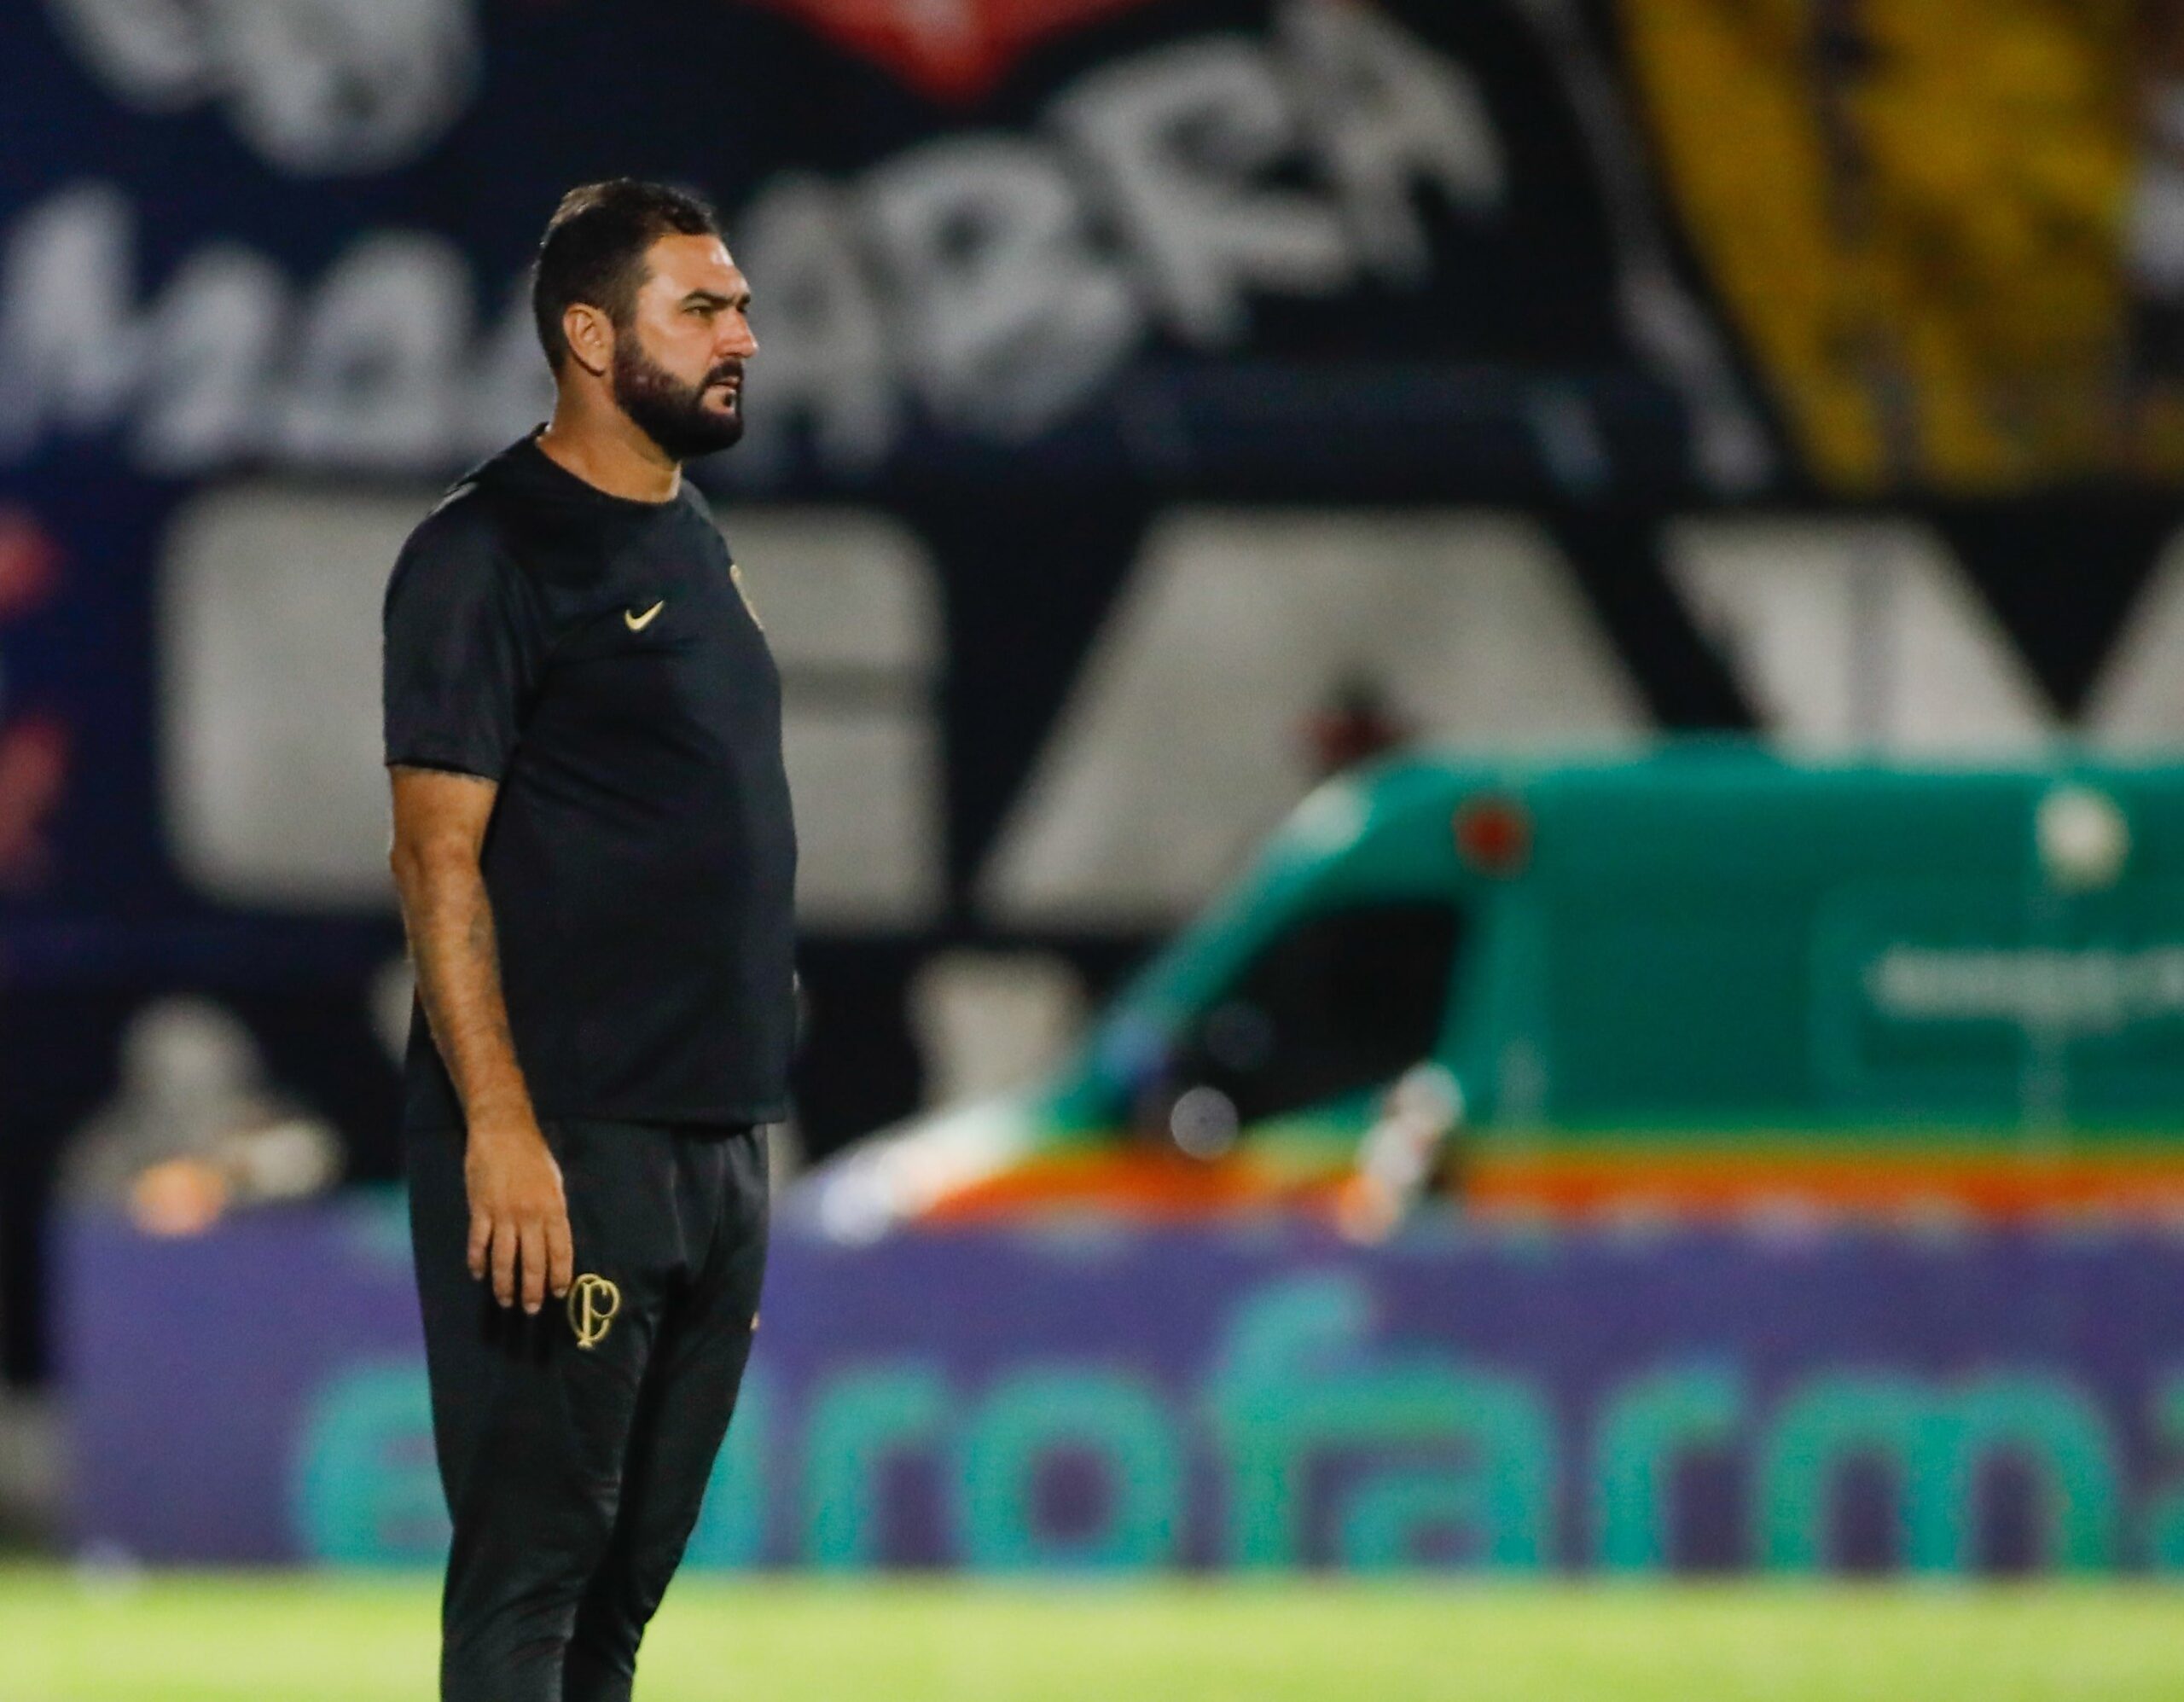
<point x="1269" y="1398"/>
<point x="1533" y="367"/>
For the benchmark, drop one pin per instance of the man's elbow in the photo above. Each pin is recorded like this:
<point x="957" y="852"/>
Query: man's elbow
<point x="421" y="862"/>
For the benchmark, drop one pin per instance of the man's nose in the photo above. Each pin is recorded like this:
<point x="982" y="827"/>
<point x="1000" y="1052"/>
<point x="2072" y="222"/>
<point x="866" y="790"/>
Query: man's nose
<point x="740" y="343"/>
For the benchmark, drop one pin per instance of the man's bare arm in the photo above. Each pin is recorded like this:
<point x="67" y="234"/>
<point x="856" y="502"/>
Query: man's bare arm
<point x="519" y="1214"/>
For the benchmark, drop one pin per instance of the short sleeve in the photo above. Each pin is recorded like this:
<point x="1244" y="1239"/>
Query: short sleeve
<point x="462" y="650"/>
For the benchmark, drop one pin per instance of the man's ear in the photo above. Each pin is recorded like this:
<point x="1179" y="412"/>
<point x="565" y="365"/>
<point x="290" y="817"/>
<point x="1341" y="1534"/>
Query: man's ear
<point x="590" y="336"/>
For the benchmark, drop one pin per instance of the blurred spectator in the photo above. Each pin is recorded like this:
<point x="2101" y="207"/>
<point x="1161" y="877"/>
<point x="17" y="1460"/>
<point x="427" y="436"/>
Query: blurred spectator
<point x="192" y="1130"/>
<point x="1403" y="1154"/>
<point x="1355" y="724"/>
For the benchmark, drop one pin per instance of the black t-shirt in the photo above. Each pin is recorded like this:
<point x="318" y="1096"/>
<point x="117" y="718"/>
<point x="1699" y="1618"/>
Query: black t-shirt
<point x="597" y="658"/>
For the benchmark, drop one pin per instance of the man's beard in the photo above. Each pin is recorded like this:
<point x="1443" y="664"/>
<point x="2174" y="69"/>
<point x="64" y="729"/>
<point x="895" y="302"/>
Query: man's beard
<point x="670" y="412"/>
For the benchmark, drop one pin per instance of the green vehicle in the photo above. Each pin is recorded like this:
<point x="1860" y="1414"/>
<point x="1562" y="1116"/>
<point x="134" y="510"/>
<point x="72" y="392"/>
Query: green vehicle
<point x="1708" y="980"/>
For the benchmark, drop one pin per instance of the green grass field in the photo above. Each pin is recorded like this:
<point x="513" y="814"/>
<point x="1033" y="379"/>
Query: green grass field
<point x="302" y="1640"/>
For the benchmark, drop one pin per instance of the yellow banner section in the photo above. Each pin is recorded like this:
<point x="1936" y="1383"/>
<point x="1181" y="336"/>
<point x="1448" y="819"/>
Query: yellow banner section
<point x="1918" y="213"/>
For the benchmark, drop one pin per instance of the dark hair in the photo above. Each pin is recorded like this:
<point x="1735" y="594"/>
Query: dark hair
<point x="594" y="250"/>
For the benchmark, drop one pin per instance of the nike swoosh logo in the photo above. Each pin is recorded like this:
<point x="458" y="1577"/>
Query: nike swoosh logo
<point x="638" y="623"/>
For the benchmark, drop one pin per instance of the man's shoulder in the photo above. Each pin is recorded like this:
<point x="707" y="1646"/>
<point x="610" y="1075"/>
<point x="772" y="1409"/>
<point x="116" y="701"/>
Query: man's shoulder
<point x="458" y="550"/>
<point x="466" y="517"/>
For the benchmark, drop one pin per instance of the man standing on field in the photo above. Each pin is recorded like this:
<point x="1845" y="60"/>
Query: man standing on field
<point x="593" y="845"/>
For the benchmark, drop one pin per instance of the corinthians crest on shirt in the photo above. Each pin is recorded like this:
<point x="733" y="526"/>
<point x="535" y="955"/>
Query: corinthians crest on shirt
<point x="951" y="50"/>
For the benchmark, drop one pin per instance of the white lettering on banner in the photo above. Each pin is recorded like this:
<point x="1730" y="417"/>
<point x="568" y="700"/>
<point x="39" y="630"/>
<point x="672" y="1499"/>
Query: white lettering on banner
<point x="2137" y="702"/>
<point x="78" y="355"/>
<point x="68" y="351"/>
<point x="317" y="86"/>
<point x="824" y="353"/>
<point x="1009" y="310"/>
<point x="1179" y="138"/>
<point x="209" y="356"/>
<point x="1180" y="745"/>
<point x="1000" y="280"/>
<point x="1386" y="118"/>
<point x="1012" y="315"/>
<point x="2081" y="992"/>
<point x="1844" y="634"/>
<point x="1182" y="742"/>
<point x="1857" y="634"/>
<point x="388" y="376"/>
<point x="384" y="329"/>
<point x="271" y="596"/>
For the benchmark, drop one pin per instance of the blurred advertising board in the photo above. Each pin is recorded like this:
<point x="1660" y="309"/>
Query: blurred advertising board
<point x="1778" y="1398"/>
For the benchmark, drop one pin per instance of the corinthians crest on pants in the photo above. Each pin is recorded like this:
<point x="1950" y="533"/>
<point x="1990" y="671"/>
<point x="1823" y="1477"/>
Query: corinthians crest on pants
<point x="593" y="1303"/>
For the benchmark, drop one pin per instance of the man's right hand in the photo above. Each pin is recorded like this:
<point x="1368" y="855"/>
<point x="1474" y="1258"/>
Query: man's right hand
<point x="519" y="1214"/>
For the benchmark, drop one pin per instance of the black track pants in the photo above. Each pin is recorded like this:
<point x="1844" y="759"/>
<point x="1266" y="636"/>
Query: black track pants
<point x="574" y="1473"/>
